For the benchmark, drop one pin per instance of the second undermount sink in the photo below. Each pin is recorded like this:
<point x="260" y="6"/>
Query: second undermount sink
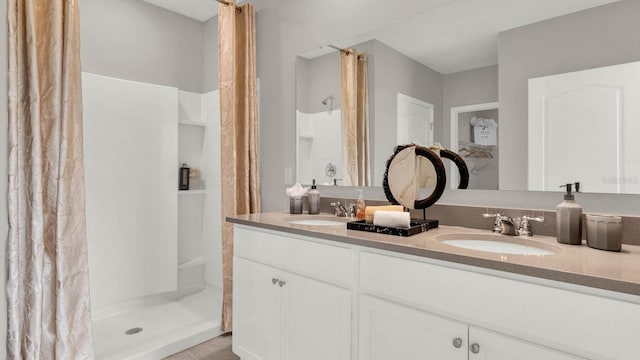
<point x="315" y="220"/>
<point x="499" y="244"/>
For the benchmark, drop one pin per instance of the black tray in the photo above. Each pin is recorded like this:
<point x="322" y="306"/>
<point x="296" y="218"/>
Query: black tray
<point x="415" y="227"/>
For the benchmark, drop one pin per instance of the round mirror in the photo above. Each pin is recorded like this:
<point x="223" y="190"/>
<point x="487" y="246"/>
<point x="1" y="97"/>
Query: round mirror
<point x="415" y="177"/>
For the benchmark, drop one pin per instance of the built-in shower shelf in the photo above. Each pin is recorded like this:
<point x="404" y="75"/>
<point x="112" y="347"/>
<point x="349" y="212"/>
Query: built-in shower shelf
<point x="306" y="136"/>
<point x="191" y="192"/>
<point x="201" y="124"/>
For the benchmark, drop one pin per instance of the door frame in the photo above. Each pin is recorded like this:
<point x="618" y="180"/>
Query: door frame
<point x="453" y="133"/>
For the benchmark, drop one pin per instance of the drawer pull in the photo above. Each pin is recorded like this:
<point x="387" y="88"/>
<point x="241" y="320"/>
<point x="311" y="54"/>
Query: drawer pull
<point x="457" y="343"/>
<point x="475" y="348"/>
<point x="274" y="281"/>
<point x="281" y="283"/>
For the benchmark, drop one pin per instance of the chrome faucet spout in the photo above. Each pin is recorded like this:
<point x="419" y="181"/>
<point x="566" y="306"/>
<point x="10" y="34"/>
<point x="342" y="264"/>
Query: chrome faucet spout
<point x="344" y="211"/>
<point x="503" y="224"/>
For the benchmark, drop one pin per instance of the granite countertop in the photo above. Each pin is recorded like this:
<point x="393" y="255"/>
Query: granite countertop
<point x="580" y="265"/>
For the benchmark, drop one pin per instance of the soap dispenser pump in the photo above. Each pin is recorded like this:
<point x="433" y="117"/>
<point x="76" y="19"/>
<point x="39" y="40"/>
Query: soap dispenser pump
<point x="569" y="217"/>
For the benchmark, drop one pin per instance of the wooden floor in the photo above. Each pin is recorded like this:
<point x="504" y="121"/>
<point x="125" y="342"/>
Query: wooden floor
<point x="215" y="349"/>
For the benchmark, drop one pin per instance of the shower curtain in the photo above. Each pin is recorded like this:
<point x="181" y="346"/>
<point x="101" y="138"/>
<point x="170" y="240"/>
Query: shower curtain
<point x="238" y="130"/>
<point x="354" y="95"/>
<point x="47" y="271"/>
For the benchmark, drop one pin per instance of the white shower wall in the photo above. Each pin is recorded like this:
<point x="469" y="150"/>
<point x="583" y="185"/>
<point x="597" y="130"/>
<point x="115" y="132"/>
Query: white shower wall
<point x="318" y="134"/>
<point x="131" y="149"/>
<point x="145" y="237"/>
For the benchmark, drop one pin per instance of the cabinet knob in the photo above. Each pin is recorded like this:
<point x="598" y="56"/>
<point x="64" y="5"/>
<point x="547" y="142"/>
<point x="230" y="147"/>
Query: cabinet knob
<point x="274" y="281"/>
<point x="475" y="348"/>
<point x="281" y="283"/>
<point x="457" y="343"/>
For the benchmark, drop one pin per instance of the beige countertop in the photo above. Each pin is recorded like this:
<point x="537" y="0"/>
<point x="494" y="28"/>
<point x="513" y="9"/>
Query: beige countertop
<point x="580" y="265"/>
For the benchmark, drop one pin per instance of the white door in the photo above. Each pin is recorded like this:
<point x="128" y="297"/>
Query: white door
<point x="487" y="345"/>
<point x="597" y="106"/>
<point x="415" y="121"/>
<point x="256" y="311"/>
<point x="317" y="320"/>
<point x="393" y="331"/>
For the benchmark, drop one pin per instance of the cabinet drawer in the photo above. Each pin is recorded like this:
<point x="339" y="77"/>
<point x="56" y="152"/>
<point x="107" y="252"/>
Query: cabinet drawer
<point x="306" y="257"/>
<point x="588" y="325"/>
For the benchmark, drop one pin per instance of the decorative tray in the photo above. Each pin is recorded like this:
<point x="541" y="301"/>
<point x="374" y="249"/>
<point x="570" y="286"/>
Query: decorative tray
<point x="415" y="227"/>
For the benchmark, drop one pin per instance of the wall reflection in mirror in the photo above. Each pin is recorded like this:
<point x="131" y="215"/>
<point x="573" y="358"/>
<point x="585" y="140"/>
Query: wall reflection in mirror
<point x="552" y="77"/>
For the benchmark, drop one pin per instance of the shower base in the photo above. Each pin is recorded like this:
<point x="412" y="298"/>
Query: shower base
<point x="168" y="326"/>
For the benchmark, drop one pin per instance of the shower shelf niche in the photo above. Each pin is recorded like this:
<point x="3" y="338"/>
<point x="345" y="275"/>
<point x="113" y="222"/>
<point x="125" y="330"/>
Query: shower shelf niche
<point x="192" y="192"/>
<point x="201" y="124"/>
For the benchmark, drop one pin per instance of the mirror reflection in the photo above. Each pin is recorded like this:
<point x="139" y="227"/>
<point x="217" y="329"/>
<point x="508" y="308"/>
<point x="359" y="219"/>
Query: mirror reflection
<point x="422" y="75"/>
<point x="335" y="135"/>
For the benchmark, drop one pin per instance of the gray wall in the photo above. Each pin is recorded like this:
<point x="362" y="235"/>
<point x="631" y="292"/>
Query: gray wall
<point x="4" y="226"/>
<point x="316" y="79"/>
<point x="601" y="36"/>
<point x="131" y="39"/>
<point x="477" y="86"/>
<point x="210" y="55"/>
<point x="396" y="73"/>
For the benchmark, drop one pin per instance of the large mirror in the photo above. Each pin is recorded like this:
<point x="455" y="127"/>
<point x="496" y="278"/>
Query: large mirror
<point x="528" y="95"/>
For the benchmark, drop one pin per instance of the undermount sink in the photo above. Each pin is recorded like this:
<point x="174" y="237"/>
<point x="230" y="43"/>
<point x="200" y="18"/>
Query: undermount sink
<point x="312" y="220"/>
<point x="499" y="244"/>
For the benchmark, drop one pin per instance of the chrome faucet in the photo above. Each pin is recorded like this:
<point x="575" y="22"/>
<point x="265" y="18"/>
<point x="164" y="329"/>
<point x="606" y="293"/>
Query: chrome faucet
<point x="503" y="224"/>
<point x="525" y="227"/>
<point x="344" y="211"/>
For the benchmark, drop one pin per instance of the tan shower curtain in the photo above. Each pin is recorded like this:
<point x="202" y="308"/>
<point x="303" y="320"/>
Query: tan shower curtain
<point x="355" y="118"/>
<point x="47" y="271"/>
<point x="239" y="130"/>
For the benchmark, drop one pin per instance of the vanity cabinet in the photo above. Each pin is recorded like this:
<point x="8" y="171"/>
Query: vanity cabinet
<point x="389" y="330"/>
<point x="297" y="298"/>
<point x="283" y="315"/>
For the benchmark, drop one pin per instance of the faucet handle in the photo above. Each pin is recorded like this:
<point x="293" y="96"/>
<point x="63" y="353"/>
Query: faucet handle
<point x="337" y="208"/>
<point x="525" y="227"/>
<point x="527" y="218"/>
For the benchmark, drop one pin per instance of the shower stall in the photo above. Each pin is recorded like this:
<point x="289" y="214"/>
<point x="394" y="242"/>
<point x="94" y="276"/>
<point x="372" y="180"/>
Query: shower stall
<point x="150" y="105"/>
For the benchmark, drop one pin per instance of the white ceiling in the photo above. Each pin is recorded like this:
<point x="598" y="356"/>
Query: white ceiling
<point x="455" y="36"/>
<point x="200" y="10"/>
<point x="463" y="34"/>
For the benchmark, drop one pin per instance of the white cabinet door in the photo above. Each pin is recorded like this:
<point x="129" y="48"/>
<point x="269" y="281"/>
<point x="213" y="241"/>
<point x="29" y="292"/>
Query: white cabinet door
<point x="256" y="311"/>
<point x="317" y="320"/>
<point x="393" y="331"/>
<point x="487" y="345"/>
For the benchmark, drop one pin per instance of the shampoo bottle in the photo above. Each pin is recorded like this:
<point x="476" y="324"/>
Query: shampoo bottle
<point x="184" y="177"/>
<point x="568" y="219"/>
<point x="360" y="212"/>
<point x="314" y="199"/>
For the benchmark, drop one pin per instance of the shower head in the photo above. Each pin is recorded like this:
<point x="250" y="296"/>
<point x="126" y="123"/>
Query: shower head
<point x="327" y="99"/>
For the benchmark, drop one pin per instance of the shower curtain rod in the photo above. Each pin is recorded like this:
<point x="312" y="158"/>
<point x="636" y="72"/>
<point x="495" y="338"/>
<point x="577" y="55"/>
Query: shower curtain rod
<point x="335" y="47"/>
<point x="228" y="3"/>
